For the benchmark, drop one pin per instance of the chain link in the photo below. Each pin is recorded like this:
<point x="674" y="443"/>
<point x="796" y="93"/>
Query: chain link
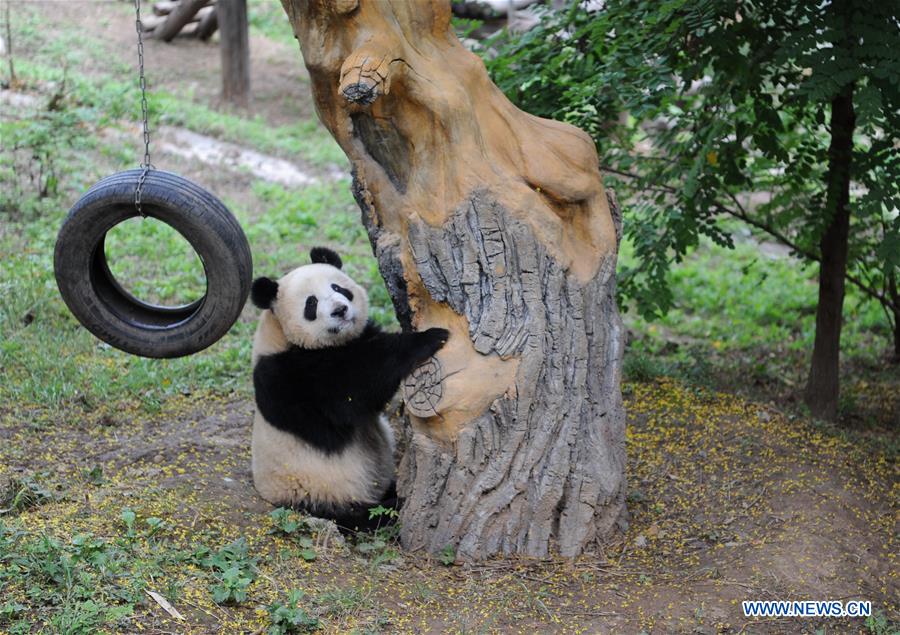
<point x="146" y="165"/>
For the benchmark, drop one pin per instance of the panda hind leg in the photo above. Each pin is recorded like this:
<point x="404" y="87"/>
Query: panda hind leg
<point x="356" y="518"/>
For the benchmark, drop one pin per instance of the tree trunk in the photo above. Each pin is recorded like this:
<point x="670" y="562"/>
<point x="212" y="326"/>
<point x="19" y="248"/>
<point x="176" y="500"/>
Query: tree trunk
<point x="822" y="390"/>
<point x="893" y="294"/>
<point x="495" y="225"/>
<point x="234" y="44"/>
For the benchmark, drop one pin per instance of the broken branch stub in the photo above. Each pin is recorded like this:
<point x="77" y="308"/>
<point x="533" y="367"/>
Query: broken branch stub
<point x="493" y="224"/>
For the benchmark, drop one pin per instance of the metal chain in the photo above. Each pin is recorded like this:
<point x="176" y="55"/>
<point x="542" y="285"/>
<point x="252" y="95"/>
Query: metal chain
<point x="145" y="166"/>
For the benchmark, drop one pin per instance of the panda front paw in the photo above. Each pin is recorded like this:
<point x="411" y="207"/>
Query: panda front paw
<point x="433" y="341"/>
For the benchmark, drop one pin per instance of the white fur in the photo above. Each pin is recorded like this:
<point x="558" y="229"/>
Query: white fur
<point x="296" y="286"/>
<point x="287" y="470"/>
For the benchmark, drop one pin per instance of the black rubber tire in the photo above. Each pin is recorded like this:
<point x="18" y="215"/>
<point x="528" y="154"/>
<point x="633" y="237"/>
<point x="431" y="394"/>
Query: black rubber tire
<point x="114" y="315"/>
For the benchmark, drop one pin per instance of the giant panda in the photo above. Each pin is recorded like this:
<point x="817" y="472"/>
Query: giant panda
<point x="322" y="374"/>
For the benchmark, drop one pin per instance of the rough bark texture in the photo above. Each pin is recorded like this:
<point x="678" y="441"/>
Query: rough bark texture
<point x="494" y="224"/>
<point x="822" y="389"/>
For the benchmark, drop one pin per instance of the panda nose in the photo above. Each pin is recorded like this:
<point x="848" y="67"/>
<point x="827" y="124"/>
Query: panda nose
<point x="340" y="312"/>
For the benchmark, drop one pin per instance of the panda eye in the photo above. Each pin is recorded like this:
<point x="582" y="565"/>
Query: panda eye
<point x="312" y="304"/>
<point x="344" y="292"/>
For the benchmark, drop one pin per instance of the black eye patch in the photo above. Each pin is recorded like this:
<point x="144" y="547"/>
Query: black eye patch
<point x="344" y="292"/>
<point x="312" y="304"/>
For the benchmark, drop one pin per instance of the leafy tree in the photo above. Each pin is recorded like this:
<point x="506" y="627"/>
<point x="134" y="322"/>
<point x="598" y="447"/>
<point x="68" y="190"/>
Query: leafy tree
<point x="784" y="114"/>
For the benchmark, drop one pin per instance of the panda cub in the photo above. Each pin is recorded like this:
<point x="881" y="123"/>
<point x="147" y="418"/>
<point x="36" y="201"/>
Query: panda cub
<point x="322" y="373"/>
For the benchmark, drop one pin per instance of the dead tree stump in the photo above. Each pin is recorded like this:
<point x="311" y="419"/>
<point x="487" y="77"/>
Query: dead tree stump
<point x="494" y="224"/>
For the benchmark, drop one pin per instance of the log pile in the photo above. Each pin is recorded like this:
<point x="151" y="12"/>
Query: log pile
<point x="189" y="18"/>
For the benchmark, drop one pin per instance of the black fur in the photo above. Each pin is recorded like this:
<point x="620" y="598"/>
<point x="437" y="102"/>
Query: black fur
<point x="312" y="306"/>
<point x="263" y="292"/>
<point x="324" y="395"/>
<point x="324" y="254"/>
<point x="347" y="293"/>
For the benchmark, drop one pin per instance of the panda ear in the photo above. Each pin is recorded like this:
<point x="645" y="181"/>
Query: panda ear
<point x="325" y="255"/>
<point x="263" y="292"/>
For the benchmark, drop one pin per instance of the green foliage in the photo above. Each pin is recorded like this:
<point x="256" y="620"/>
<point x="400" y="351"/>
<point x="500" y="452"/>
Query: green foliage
<point x="291" y="523"/>
<point x="233" y="569"/>
<point x="381" y="545"/>
<point x="19" y="494"/>
<point x="291" y="617"/>
<point x="878" y="624"/>
<point x="268" y="17"/>
<point x="448" y="555"/>
<point x="286" y="521"/>
<point x="387" y="513"/>
<point x="725" y="109"/>
<point x="82" y="578"/>
<point x="32" y="151"/>
<point x="232" y="586"/>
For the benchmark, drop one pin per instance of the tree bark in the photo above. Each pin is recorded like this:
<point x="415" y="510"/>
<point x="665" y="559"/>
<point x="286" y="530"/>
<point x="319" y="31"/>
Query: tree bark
<point x="208" y="25"/>
<point x="234" y="44"/>
<point x="495" y="225"/>
<point x="822" y="389"/>
<point x="893" y="294"/>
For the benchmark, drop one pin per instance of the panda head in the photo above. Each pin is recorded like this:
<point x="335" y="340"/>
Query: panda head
<point x="317" y="305"/>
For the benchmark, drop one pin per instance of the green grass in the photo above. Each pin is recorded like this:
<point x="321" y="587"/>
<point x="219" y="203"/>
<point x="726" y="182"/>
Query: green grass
<point x="267" y="18"/>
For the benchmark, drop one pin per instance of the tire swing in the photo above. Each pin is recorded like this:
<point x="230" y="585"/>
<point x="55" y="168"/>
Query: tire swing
<point x="103" y="306"/>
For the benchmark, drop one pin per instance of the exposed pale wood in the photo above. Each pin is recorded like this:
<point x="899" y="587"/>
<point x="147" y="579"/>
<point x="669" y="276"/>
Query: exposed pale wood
<point x="164" y="7"/>
<point x="177" y="19"/>
<point x="150" y="22"/>
<point x="234" y="45"/>
<point x="494" y="224"/>
<point x="208" y="24"/>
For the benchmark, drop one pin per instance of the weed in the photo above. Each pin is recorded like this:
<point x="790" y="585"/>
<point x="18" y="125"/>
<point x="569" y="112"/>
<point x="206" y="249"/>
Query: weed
<point x="286" y="521"/>
<point x="343" y="602"/>
<point x="31" y="148"/>
<point x="231" y="587"/>
<point x="23" y="493"/>
<point x="381" y="544"/>
<point x="291" y="617"/>
<point x="878" y="624"/>
<point x="447" y="555"/>
<point x="233" y="569"/>
<point x="639" y="366"/>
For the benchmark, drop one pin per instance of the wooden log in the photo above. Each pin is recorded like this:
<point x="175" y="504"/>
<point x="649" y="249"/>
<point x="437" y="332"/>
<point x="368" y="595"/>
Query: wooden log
<point x="175" y="21"/>
<point x="234" y="44"/>
<point x="208" y="24"/>
<point x="151" y="22"/>
<point x="164" y="7"/>
<point x="493" y="224"/>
